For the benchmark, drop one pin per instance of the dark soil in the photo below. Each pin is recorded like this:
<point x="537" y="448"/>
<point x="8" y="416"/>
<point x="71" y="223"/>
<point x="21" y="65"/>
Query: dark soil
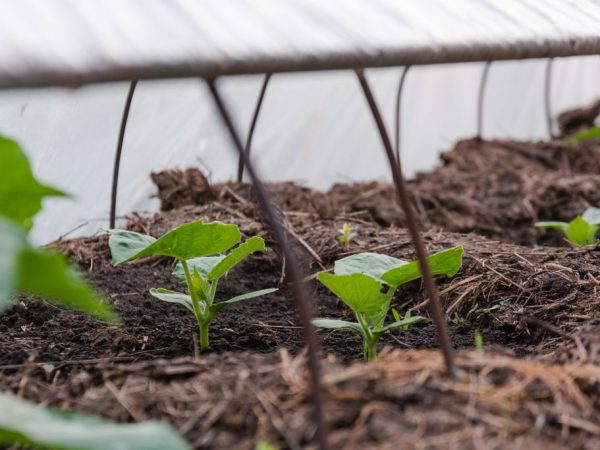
<point x="547" y="298"/>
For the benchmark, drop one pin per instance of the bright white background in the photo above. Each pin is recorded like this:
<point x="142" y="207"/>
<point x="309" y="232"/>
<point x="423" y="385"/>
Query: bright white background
<point x="315" y="128"/>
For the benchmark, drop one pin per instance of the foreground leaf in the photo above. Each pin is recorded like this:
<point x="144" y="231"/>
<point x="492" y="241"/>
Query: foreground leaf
<point x="447" y="262"/>
<point x="167" y="295"/>
<point x="20" y="193"/>
<point x="188" y="241"/>
<point x="12" y="242"/>
<point x="28" y="424"/>
<point x="48" y="275"/>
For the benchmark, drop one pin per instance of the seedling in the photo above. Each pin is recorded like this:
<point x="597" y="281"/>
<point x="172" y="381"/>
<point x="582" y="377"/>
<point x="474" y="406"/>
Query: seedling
<point x="581" y="230"/>
<point x="477" y="311"/>
<point x="346" y="235"/>
<point x="585" y="135"/>
<point x="478" y="342"/>
<point x="194" y="246"/>
<point x="366" y="282"/>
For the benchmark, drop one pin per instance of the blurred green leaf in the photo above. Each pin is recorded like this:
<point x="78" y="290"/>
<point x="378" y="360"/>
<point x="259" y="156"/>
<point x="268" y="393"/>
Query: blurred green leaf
<point x="13" y="241"/>
<point x="20" y="193"/>
<point x="31" y="425"/>
<point x="48" y="275"/>
<point x="580" y="233"/>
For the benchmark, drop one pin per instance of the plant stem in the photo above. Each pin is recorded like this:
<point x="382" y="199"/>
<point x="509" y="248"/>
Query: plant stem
<point x="371" y="350"/>
<point x="204" y="343"/>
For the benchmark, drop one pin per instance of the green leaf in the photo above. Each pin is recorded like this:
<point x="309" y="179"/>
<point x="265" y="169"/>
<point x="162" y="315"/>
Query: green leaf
<point x="333" y="324"/>
<point x="192" y="240"/>
<point x="361" y="292"/>
<point x="20" y="193"/>
<point x="124" y="245"/>
<point x="12" y="242"/>
<point x="202" y="265"/>
<point x="238" y="254"/>
<point x="552" y="225"/>
<point x="31" y="425"/>
<point x="373" y="264"/>
<point x="407" y="321"/>
<point x="579" y="232"/>
<point x="167" y="295"/>
<point x="592" y="216"/>
<point x="48" y="275"/>
<point x="446" y="262"/>
<point x="216" y="307"/>
<point x="590" y="133"/>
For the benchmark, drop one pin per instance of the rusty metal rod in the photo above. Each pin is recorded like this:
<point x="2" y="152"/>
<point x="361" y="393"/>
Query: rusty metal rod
<point x="435" y="309"/>
<point x="293" y="271"/>
<point x="261" y="96"/>
<point x="481" y="97"/>
<point x="398" y="109"/>
<point x="117" y="164"/>
<point x="547" y="107"/>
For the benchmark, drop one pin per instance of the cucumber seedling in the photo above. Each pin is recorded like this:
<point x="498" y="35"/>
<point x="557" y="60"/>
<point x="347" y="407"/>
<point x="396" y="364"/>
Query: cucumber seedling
<point x="581" y="230"/>
<point x="347" y="235"/>
<point x="199" y="249"/>
<point x="366" y="283"/>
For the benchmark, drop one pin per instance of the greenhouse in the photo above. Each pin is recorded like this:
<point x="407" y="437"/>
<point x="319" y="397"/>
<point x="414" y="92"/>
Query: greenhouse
<point x="267" y="224"/>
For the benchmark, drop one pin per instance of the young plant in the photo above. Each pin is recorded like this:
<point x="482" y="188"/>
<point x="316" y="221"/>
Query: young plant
<point x="366" y="282"/>
<point x="585" y="135"/>
<point x="194" y="245"/>
<point x="347" y="235"/>
<point x="581" y="230"/>
<point x="24" y="268"/>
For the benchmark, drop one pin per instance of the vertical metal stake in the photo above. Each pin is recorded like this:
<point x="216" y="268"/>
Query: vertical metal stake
<point x="547" y="87"/>
<point x="117" y="165"/>
<point x="293" y="271"/>
<point x="435" y="309"/>
<point x="398" y="109"/>
<point x="481" y="97"/>
<point x="261" y="96"/>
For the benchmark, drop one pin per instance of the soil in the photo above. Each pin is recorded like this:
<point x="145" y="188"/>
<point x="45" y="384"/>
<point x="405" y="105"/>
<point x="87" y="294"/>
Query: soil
<point x="536" y="383"/>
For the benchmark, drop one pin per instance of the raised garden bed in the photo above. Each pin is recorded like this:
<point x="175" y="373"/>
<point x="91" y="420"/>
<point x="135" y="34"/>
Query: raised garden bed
<point x="535" y="383"/>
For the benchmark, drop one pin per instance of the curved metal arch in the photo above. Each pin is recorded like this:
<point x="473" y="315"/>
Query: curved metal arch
<point x="295" y="277"/>
<point x="435" y="309"/>
<point x="547" y="88"/>
<point x="398" y="109"/>
<point x="118" y="152"/>
<point x="481" y="97"/>
<point x="261" y="96"/>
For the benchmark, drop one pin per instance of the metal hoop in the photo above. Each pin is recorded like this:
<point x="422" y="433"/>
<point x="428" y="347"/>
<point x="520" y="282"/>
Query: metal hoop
<point x="261" y="96"/>
<point x="435" y="309"/>
<point x="480" y="97"/>
<point x="117" y="163"/>
<point x="547" y="106"/>
<point x="293" y="270"/>
<point x="398" y="109"/>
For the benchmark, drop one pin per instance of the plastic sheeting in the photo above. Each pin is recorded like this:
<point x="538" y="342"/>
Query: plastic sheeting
<point x="314" y="128"/>
<point x="66" y="42"/>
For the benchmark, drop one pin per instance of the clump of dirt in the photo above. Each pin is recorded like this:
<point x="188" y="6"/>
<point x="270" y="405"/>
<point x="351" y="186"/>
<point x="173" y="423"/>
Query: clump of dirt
<point x="178" y="188"/>
<point x="403" y="400"/>
<point x="498" y="189"/>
